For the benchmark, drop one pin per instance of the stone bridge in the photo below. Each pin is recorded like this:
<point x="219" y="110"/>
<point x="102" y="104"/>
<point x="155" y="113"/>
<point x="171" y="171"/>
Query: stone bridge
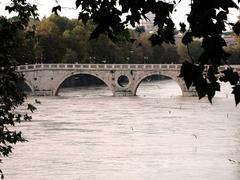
<point x="46" y="79"/>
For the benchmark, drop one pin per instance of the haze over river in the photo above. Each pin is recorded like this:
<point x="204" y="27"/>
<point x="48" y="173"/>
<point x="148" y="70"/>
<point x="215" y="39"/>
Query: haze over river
<point x="87" y="134"/>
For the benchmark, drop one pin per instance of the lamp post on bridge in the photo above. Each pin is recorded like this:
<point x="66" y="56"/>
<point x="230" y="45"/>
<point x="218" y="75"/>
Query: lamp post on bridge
<point x="92" y="59"/>
<point x="145" y="59"/>
<point x="129" y="58"/>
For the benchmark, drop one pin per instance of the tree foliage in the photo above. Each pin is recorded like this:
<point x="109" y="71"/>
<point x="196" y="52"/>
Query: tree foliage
<point x="207" y="20"/>
<point x="10" y="95"/>
<point x="62" y="40"/>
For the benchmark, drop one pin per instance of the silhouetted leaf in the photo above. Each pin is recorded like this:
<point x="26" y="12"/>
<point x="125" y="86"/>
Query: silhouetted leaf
<point x="9" y="9"/>
<point x="203" y="58"/>
<point x="222" y="15"/>
<point x="37" y="101"/>
<point x="190" y="73"/>
<point x="187" y="38"/>
<point x="182" y="27"/>
<point x="210" y="94"/>
<point x="211" y="90"/>
<point x="236" y="28"/>
<point x="211" y="73"/>
<point x="204" y="88"/>
<point x="31" y="107"/>
<point x="97" y="31"/>
<point x="213" y="45"/>
<point x="220" y="27"/>
<point x="236" y="92"/>
<point x="155" y="40"/>
<point x="230" y="76"/>
<point x="78" y="3"/>
<point x="234" y="78"/>
<point x="225" y="56"/>
<point x="217" y="86"/>
<point x="56" y="9"/>
<point x="200" y="84"/>
<point x="84" y="17"/>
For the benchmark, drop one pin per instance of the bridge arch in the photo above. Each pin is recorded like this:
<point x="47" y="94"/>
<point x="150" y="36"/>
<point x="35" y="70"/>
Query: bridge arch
<point x="28" y="84"/>
<point x="166" y="74"/>
<point x="56" y="90"/>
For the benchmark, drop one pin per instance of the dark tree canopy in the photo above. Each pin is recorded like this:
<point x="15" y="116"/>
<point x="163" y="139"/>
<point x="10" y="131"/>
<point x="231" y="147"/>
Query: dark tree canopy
<point x="207" y="20"/>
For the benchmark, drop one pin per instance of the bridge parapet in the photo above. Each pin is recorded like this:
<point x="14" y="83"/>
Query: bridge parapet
<point x="32" y="67"/>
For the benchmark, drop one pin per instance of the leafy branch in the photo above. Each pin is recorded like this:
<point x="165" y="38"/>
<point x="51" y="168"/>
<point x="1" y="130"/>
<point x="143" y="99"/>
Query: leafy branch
<point x="11" y="96"/>
<point x="208" y="23"/>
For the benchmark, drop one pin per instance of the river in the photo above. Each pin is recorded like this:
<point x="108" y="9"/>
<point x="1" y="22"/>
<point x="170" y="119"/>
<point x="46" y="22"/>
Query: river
<point x="87" y="134"/>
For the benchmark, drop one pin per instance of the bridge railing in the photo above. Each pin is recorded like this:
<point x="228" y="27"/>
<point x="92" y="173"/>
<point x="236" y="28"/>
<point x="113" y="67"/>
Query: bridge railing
<point x="32" y="67"/>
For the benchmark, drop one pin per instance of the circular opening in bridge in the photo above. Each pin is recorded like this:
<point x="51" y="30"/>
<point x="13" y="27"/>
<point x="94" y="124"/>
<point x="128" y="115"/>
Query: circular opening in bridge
<point x="123" y="81"/>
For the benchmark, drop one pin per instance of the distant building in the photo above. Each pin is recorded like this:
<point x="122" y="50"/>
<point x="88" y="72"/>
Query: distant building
<point x="148" y="23"/>
<point x="230" y="40"/>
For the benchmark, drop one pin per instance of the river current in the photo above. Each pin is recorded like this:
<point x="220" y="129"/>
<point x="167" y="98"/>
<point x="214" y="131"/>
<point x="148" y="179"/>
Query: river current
<point x="87" y="134"/>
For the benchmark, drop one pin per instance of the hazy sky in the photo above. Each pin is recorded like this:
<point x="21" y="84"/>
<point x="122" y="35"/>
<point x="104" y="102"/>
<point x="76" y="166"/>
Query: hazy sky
<point x="45" y="7"/>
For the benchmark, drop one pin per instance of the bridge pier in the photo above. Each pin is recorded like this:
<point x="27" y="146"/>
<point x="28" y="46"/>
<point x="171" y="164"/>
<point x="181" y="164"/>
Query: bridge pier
<point x="43" y="93"/>
<point x="122" y="83"/>
<point x="189" y="93"/>
<point x="123" y="93"/>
